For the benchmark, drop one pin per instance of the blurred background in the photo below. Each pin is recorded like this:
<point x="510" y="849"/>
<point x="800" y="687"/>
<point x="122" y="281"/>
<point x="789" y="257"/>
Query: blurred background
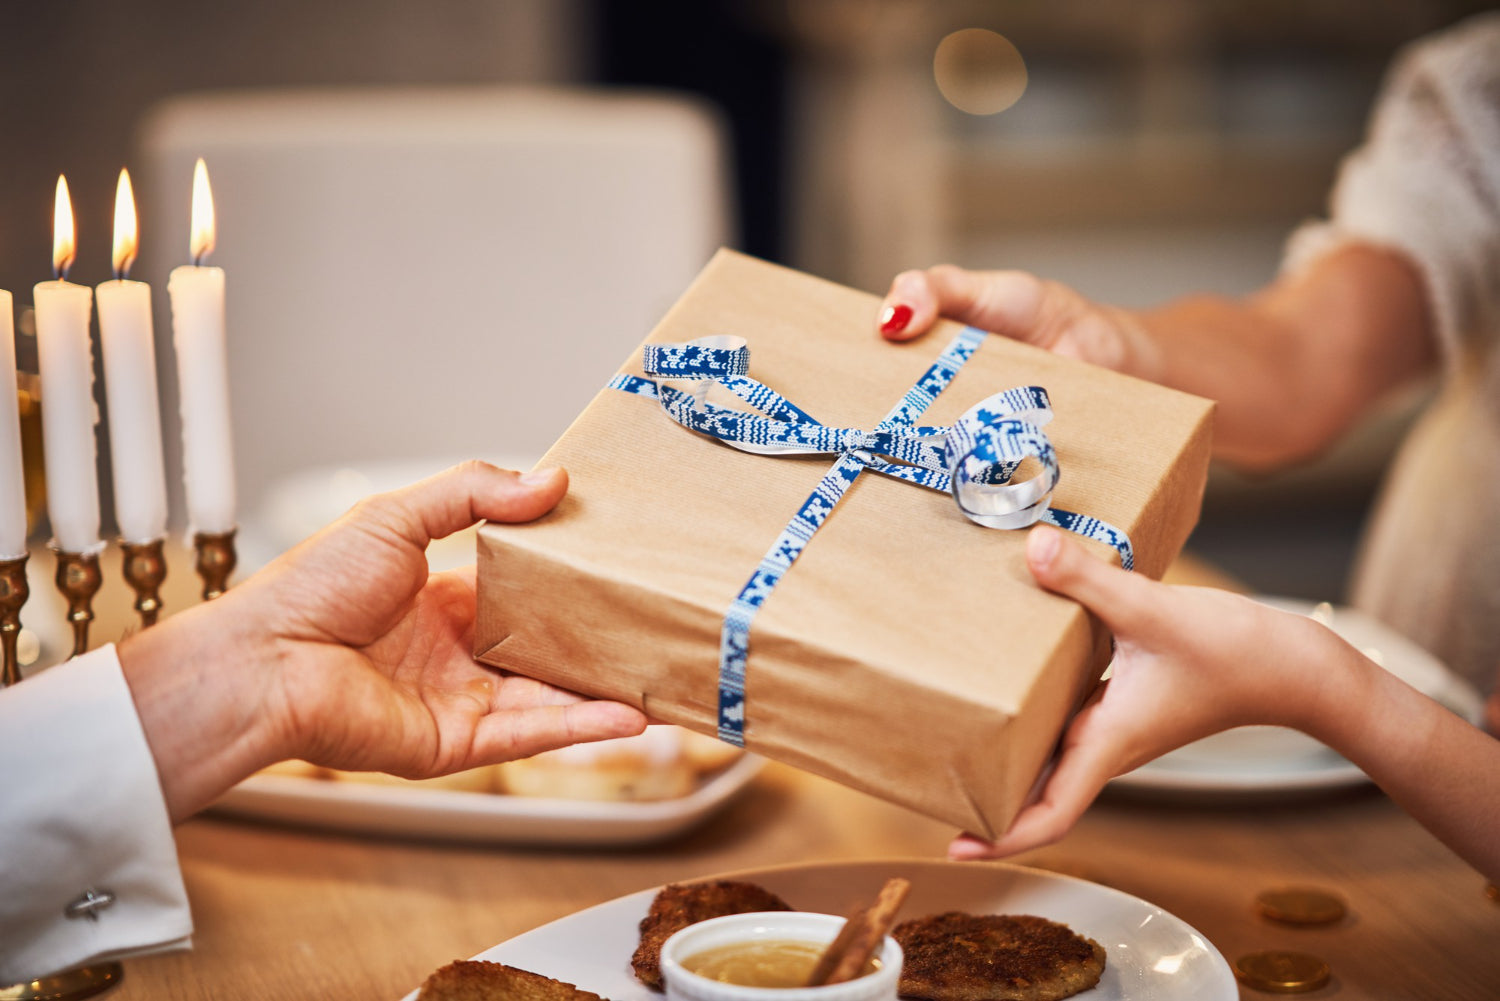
<point x="444" y="223"/>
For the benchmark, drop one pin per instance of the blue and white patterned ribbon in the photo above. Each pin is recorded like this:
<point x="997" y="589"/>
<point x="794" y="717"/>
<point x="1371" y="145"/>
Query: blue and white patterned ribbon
<point x="974" y="460"/>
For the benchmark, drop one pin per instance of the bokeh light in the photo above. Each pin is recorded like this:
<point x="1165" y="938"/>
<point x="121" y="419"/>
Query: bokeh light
<point x="979" y="71"/>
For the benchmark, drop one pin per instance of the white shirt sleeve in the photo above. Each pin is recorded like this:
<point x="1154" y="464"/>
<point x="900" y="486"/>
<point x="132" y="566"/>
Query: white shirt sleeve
<point x="1426" y="181"/>
<point x="81" y="814"/>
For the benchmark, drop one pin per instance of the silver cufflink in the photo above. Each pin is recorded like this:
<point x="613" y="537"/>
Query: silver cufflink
<point x="90" y="904"/>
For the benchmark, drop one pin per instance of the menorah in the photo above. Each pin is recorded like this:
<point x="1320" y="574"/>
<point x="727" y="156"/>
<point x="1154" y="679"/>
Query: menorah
<point x="78" y="578"/>
<point x="60" y="321"/>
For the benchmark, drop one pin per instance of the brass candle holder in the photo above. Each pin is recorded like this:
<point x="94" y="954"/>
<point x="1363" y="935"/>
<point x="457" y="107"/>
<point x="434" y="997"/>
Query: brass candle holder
<point x="13" y="594"/>
<point x="73" y="985"/>
<point x="145" y="567"/>
<point x="78" y="579"/>
<point x="215" y="561"/>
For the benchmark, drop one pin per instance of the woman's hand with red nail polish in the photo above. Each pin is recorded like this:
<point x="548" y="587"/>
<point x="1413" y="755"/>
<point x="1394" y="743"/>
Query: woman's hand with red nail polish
<point x="1018" y="305"/>
<point x="909" y="309"/>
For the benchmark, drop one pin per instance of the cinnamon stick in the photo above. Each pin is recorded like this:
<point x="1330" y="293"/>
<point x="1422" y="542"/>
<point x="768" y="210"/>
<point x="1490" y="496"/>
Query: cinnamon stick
<point x="864" y="929"/>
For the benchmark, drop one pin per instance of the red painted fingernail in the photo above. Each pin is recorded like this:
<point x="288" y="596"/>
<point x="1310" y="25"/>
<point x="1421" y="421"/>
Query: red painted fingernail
<point x="895" y="319"/>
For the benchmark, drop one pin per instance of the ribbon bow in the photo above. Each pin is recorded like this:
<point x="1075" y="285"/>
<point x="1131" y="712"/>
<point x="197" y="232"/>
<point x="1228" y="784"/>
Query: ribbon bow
<point x="974" y="459"/>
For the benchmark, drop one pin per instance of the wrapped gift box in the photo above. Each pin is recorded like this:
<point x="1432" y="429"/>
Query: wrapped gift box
<point x="907" y="652"/>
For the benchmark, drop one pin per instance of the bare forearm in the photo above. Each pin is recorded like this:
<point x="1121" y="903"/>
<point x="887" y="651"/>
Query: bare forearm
<point x="1435" y="765"/>
<point x="1294" y="366"/>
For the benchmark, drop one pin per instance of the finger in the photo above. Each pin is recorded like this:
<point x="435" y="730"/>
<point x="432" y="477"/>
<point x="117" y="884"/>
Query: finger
<point x="1034" y="827"/>
<point x="468" y="493"/>
<point x="1072" y="788"/>
<point x="910" y="307"/>
<point x="969" y="847"/>
<point x="1015" y="304"/>
<point x="520" y="733"/>
<point x="1079" y="774"/>
<point x="1125" y="601"/>
<point x="516" y="692"/>
<point x="1009" y="303"/>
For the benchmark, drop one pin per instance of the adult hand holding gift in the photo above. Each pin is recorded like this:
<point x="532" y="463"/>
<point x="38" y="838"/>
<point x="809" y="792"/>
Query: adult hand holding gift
<point x="345" y="652"/>
<point x="1291" y="367"/>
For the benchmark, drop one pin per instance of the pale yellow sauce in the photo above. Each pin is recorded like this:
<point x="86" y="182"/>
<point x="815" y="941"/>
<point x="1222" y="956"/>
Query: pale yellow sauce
<point x="762" y="963"/>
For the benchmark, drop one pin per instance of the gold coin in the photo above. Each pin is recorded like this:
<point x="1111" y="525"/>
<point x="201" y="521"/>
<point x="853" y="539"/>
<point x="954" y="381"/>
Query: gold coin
<point x="1281" y="972"/>
<point x="1300" y="905"/>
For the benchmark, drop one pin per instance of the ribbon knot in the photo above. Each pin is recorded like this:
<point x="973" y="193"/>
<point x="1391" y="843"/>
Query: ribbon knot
<point x="975" y="459"/>
<point x="855" y="440"/>
<point x="856" y="444"/>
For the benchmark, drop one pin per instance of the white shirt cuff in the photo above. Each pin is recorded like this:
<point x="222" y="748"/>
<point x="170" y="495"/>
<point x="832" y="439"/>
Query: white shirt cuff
<point x="83" y="814"/>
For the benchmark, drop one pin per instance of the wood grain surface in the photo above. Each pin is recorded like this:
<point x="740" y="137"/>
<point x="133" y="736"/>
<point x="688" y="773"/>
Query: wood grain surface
<point x="290" y="914"/>
<point x="287" y="914"/>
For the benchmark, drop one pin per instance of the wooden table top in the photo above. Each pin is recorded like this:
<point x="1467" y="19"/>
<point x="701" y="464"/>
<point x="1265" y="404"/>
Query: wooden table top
<point x="285" y="913"/>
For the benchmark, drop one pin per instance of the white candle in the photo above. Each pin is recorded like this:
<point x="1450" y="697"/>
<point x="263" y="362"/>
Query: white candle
<point x="66" y="358"/>
<point x="12" y="472"/>
<point x="126" y="339"/>
<point x="197" y="295"/>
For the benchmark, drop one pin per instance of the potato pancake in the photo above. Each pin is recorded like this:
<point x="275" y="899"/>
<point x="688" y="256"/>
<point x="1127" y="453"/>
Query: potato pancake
<point x="995" y="957"/>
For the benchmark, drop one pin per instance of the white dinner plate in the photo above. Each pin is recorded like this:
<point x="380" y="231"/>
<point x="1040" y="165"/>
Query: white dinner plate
<point x="479" y="817"/>
<point x="1264" y="761"/>
<point x="1149" y="953"/>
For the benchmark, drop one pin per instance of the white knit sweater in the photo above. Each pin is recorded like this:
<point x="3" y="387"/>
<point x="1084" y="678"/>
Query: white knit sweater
<point x="1427" y="183"/>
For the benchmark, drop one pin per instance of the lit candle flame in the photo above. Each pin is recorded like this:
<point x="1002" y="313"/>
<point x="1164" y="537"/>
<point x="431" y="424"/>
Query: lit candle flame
<point x="64" y="244"/>
<point x="127" y="239"/>
<point x="202" y="241"/>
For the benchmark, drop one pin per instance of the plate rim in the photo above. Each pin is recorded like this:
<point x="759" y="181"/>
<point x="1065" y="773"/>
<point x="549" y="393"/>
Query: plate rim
<point x="265" y="797"/>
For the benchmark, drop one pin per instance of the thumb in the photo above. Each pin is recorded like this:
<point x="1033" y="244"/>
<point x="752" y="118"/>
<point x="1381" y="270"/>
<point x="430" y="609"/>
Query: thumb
<point x="470" y="492"/>
<point x="1123" y="600"/>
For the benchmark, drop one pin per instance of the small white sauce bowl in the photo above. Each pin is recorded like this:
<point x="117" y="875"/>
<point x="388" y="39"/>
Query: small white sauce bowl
<point x="771" y="926"/>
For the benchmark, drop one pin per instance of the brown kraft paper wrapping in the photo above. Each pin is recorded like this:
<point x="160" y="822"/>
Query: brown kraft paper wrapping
<point x="907" y="652"/>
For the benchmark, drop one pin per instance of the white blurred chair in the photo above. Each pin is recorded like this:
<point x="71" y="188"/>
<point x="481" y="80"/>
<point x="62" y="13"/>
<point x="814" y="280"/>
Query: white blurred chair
<point x="416" y="275"/>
